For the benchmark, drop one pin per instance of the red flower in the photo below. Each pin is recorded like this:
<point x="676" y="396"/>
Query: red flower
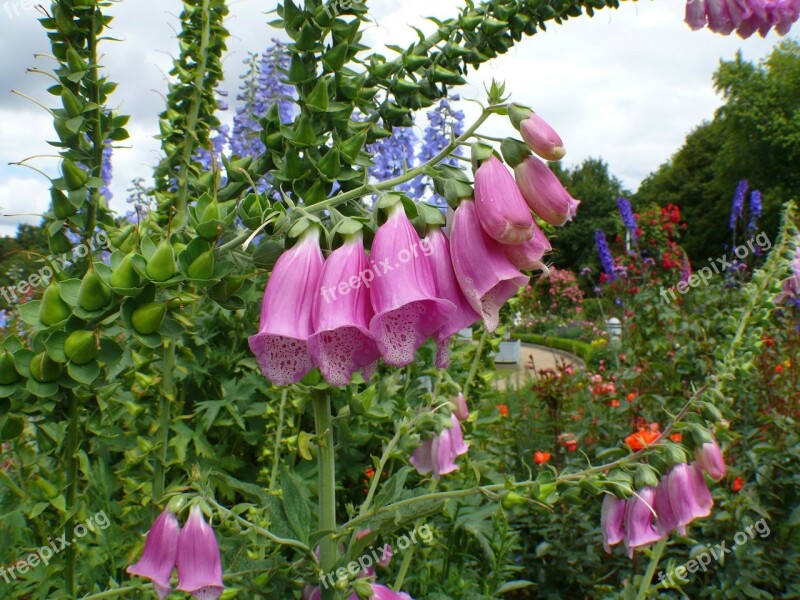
<point x="676" y="437"/>
<point x="370" y="472"/>
<point x="641" y="439"/>
<point x="631" y="396"/>
<point x="779" y="369"/>
<point x="541" y="457"/>
<point x="503" y="409"/>
<point x="768" y="341"/>
<point x="614" y="403"/>
<point x="737" y="484"/>
<point x="571" y="445"/>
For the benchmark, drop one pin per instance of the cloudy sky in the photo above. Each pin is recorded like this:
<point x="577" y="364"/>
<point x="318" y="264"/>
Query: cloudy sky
<point x="626" y="85"/>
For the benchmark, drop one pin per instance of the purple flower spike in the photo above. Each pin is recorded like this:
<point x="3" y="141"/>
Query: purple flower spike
<point x="438" y="454"/>
<point x="486" y="276"/>
<point x="639" y="515"/>
<point x="342" y="343"/>
<point x="688" y="495"/>
<point x="612" y="517"/>
<point x="281" y="344"/>
<point x="199" y="562"/>
<point x="403" y="293"/>
<point x="501" y="208"/>
<point x="437" y="248"/>
<point x="158" y="557"/>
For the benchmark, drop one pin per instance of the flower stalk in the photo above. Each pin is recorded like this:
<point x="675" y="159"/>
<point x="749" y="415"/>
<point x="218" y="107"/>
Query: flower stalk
<point x="327" y="483"/>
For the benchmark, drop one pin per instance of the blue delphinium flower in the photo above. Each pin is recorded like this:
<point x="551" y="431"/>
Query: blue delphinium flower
<point x="391" y="154"/>
<point x="3" y="319"/>
<point x="106" y="170"/>
<point x="738" y="203"/>
<point x="606" y="260"/>
<point x="628" y="218"/>
<point x="755" y="210"/>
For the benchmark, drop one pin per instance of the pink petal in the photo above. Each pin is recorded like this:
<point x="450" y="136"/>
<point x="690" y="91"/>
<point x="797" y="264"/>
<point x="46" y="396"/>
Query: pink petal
<point x="501" y="209"/>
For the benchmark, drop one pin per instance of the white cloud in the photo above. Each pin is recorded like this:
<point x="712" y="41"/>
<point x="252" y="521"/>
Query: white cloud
<point x="22" y="201"/>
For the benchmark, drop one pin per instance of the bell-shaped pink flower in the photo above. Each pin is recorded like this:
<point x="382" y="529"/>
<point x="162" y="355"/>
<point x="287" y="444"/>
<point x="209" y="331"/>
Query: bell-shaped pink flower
<point x="639" y="516"/>
<point x="543" y="192"/>
<point x="460" y="408"/>
<point x="612" y="517"/>
<point x="541" y="138"/>
<point x="709" y="457"/>
<point x="501" y="208"/>
<point x="438" y="454"/>
<point x="281" y="344"/>
<point x="341" y="343"/>
<point x="437" y="248"/>
<point x="160" y="550"/>
<point x="198" y="559"/>
<point x="486" y="276"/>
<point x="403" y="294"/>
<point x="689" y="496"/>
<point x="381" y="592"/>
<point x="527" y="256"/>
<point x="666" y="521"/>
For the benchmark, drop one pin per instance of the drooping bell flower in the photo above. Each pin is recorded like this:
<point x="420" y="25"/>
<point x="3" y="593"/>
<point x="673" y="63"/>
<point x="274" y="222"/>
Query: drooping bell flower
<point x="666" y="521"/>
<point x="403" y="294"/>
<point x="486" y="276"/>
<point x="689" y="496"/>
<point x="612" y="517"/>
<point x="444" y="278"/>
<point x="198" y="559"/>
<point x="281" y="344"/>
<point x="460" y="410"/>
<point x="541" y="138"/>
<point x="160" y="550"/>
<point x="743" y="16"/>
<point x="639" y="515"/>
<point x="438" y="454"/>
<point x="501" y="208"/>
<point x="543" y="192"/>
<point x="381" y="592"/>
<point x="709" y="457"/>
<point x="342" y="343"/>
<point x="527" y="256"/>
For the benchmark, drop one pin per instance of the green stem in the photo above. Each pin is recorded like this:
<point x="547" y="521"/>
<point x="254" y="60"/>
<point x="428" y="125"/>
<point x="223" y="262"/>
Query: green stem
<point x="189" y="145"/>
<point x="72" y="492"/>
<point x="165" y="400"/>
<point x="398" y="583"/>
<point x="97" y="130"/>
<point x="327" y="484"/>
<point x="655" y="556"/>
<point x="277" y="451"/>
<point x="476" y="361"/>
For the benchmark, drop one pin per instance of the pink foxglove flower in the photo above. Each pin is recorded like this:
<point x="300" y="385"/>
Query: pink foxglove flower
<point x="486" y="276"/>
<point x="460" y="410"/>
<point x="501" y="209"/>
<point x="342" y="343"/>
<point x="198" y="559"/>
<point x="281" y="344"/>
<point x="438" y="454"/>
<point x="527" y="256"/>
<point x="666" y="521"/>
<point x="639" y="516"/>
<point x="689" y="496"/>
<point x="709" y="457"/>
<point x="543" y="192"/>
<point x="160" y="550"/>
<point x="612" y="517"/>
<point x="438" y="250"/>
<point x="407" y="308"/>
<point x="541" y="138"/>
<point x="743" y="16"/>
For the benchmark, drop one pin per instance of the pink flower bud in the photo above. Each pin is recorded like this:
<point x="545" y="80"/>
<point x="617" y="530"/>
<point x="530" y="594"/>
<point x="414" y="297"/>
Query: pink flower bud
<point x="501" y="208"/>
<point x="543" y="192"/>
<point x="709" y="457"/>
<point x="527" y="256"/>
<point x="541" y="138"/>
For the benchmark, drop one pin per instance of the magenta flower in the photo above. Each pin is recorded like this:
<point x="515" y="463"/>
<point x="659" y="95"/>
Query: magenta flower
<point x="743" y="16"/>
<point x="500" y="206"/>
<point x="198" y="559"/>
<point x="709" y="457"/>
<point x="666" y="521"/>
<point x="341" y="343"/>
<point x="460" y="410"/>
<point x="486" y="276"/>
<point x="437" y="247"/>
<point x="639" y="515"/>
<point x="438" y="454"/>
<point x="381" y="592"/>
<point x="541" y="138"/>
<point x="543" y="192"/>
<point x="689" y="496"/>
<point x="403" y="294"/>
<point x="527" y="256"/>
<point x="612" y="517"/>
<point x="281" y="344"/>
<point x="158" y="556"/>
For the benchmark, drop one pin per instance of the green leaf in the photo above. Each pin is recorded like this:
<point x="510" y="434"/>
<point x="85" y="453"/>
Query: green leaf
<point x="296" y="507"/>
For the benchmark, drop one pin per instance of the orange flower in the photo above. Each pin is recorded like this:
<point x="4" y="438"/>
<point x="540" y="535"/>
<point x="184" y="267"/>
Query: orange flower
<point x="571" y="445"/>
<point x="614" y="403"/>
<point x="779" y="369"/>
<point x="370" y="472"/>
<point x="541" y="457"/>
<point x="676" y="437"/>
<point x="737" y="484"/>
<point x="631" y="397"/>
<point x="641" y="439"/>
<point x="503" y="409"/>
<point x="768" y="341"/>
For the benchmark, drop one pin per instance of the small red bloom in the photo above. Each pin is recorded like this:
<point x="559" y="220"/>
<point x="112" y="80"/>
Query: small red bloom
<point x="676" y="437"/>
<point x="614" y="403"/>
<point x="370" y="472"/>
<point x="737" y="484"/>
<point x="541" y="457"/>
<point x="630" y="397"/>
<point x="779" y="369"/>
<point x="503" y="409"/>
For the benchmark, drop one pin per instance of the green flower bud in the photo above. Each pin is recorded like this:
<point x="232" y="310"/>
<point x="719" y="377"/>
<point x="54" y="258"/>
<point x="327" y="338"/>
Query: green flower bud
<point x="53" y="309"/>
<point x="81" y="347"/>
<point x="125" y="276"/>
<point x="44" y="369"/>
<point x="72" y="104"/>
<point x="59" y="243"/>
<point x="124" y="239"/>
<point x="202" y="267"/>
<point x="74" y="176"/>
<point x="8" y="371"/>
<point x="62" y="207"/>
<point x="148" y="318"/>
<point x="94" y="293"/>
<point x="162" y="265"/>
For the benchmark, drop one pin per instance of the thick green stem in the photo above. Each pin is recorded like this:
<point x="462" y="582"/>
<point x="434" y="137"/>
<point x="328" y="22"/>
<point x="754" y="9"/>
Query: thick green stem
<point x="476" y="361"/>
<point x="165" y="400"/>
<point x="73" y="441"/>
<point x="97" y="130"/>
<point x="655" y="556"/>
<point x="276" y="459"/>
<point x="327" y="484"/>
